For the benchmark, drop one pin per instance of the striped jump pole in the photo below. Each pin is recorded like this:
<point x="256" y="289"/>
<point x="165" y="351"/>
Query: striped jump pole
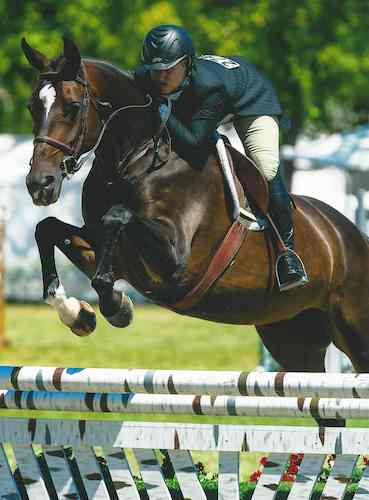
<point x="183" y="404"/>
<point x="213" y="383"/>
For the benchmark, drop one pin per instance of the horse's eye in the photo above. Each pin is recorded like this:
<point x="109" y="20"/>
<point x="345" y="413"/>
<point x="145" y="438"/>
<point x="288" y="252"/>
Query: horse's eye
<point x="72" y="108"/>
<point x="30" y="107"/>
<point x="34" y="110"/>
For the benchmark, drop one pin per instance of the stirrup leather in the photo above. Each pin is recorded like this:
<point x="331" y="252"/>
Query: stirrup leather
<point x="239" y="213"/>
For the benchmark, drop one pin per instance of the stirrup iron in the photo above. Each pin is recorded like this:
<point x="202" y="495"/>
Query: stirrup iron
<point x="293" y="284"/>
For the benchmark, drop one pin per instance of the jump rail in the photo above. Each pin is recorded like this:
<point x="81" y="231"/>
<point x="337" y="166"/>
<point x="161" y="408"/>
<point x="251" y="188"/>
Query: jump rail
<point x="232" y="383"/>
<point x="87" y="459"/>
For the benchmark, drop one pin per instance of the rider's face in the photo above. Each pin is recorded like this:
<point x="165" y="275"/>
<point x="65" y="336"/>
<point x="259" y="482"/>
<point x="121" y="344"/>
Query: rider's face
<point x="168" y="80"/>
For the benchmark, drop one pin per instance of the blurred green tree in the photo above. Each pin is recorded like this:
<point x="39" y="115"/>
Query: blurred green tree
<point x="315" y="51"/>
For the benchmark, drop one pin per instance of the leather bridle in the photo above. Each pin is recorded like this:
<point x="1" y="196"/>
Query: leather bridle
<point x="73" y="161"/>
<point x="69" y="165"/>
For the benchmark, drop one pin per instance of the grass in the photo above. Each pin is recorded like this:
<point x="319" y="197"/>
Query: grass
<point x="157" y="339"/>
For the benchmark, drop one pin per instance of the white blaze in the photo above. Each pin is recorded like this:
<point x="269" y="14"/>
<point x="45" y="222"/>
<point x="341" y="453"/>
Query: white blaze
<point x="47" y="96"/>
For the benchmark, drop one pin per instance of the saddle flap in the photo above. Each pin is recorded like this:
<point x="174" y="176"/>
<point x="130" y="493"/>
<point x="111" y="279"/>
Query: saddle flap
<point x="252" y="180"/>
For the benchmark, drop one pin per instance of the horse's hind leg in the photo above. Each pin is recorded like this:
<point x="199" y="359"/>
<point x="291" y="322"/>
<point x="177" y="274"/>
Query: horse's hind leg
<point x="351" y="323"/>
<point x="73" y="242"/>
<point x="300" y="344"/>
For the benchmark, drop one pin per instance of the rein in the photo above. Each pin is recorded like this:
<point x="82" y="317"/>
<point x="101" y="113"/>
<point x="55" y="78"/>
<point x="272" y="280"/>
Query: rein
<point x="91" y="152"/>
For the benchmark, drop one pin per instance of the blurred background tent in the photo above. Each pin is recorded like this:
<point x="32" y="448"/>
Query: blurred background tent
<point x="335" y="168"/>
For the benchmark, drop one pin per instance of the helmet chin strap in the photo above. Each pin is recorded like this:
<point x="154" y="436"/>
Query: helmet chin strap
<point x="177" y="93"/>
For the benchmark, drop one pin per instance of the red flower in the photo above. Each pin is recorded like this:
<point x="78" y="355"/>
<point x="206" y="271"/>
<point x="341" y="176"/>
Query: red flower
<point x="288" y="477"/>
<point x="293" y="469"/>
<point x="264" y="460"/>
<point x="255" y="476"/>
<point x="366" y="460"/>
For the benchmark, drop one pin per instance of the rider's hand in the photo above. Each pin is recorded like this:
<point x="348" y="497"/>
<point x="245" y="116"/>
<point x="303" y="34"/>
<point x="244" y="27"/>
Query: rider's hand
<point x="164" y="110"/>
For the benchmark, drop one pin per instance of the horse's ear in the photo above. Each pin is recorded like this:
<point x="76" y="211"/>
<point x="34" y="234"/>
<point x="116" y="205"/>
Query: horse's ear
<point x="73" y="59"/>
<point x="34" y="57"/>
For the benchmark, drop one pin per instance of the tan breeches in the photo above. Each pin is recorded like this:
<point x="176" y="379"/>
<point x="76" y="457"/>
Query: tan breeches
<point x="260" y="138"/>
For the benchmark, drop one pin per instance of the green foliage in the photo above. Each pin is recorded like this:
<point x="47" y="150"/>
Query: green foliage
<point x="315" y="51"/>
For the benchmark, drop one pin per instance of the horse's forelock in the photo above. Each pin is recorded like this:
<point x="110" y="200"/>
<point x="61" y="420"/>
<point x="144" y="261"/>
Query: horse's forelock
<point x="57" y="63"/>
<point x="60" y="68"/>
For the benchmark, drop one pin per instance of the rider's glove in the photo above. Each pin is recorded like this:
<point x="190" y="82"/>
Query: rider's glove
<point x="164" y="109"/>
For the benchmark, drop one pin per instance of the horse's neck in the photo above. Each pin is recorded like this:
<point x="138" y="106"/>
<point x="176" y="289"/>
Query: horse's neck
<point x="112" y="84"/>
<point x="116" y="89"/>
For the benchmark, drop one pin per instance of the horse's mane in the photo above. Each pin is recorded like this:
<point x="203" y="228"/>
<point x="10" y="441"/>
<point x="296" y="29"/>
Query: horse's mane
<point x="114" y="70"/>
<point x="107" y="66"/>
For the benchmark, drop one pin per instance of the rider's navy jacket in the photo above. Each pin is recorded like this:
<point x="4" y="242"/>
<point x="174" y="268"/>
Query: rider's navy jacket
<point x="218" y="87"/>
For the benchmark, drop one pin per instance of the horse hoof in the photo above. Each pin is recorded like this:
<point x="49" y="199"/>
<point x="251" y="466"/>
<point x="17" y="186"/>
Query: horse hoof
<point x="124" y="316"/>
<point x="85" y="323"/>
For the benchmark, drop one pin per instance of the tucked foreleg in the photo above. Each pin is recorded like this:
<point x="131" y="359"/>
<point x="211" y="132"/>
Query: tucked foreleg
<point x="78" y="315"/>
<point x="158" y="243"/>
<point x="116" y="306"/>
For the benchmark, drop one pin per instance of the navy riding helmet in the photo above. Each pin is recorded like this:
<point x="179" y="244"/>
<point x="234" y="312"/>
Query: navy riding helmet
<point x="165" y="46"/>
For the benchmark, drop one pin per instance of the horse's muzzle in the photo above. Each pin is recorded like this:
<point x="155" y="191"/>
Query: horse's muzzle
<point x="44" y="188"/>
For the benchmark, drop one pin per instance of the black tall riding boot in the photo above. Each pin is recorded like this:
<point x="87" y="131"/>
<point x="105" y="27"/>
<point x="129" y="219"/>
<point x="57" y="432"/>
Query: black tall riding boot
<point x="290" y="270"/>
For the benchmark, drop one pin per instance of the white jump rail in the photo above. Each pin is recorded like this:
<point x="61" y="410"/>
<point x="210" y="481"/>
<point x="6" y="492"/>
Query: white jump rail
<point x="97" y="459"/>
<point x="160" y="404"/>
<point x="231" y="383"/>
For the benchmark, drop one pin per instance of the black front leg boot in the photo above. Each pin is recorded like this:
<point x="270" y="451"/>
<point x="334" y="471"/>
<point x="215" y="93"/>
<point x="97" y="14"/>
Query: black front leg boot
<point x="290" y="270"/>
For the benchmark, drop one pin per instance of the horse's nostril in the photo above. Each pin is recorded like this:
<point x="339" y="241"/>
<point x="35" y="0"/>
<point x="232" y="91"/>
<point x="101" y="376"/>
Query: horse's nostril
<point x="32" y="185"/>
<point x="37" y="182"/>
<point x="49" y="179"/>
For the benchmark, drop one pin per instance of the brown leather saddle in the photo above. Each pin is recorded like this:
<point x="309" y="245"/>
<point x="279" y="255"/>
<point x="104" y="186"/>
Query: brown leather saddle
<point x="256" y="191"/>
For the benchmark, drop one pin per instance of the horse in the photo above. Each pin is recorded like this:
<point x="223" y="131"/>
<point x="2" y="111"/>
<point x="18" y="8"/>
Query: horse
<point x="156" y="221"/>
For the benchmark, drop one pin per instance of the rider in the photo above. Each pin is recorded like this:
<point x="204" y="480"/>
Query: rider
<point x="202" y="92"/>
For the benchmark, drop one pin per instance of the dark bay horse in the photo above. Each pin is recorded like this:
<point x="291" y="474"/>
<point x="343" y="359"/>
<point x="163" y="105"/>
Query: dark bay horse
<point x="157" y="228"/>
